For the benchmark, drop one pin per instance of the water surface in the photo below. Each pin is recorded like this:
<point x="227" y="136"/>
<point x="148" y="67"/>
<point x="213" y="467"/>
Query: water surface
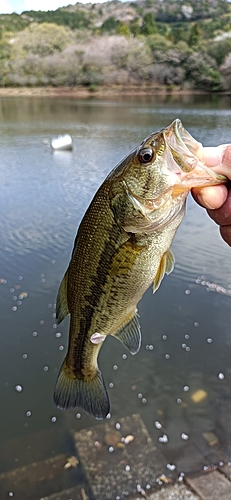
<point x="185" y="326"/>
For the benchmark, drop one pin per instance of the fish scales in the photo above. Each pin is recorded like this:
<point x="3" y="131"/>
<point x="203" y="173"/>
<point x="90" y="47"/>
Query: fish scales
<point x="122" y="246"/>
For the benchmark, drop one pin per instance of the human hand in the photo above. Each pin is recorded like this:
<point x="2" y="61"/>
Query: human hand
<point x="217" y="199"/>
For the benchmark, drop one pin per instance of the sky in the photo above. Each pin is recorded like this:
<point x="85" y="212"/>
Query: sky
<point x="18" y="6"/>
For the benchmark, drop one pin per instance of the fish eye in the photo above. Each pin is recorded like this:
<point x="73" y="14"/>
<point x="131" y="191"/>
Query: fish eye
<point x="145" y="155"/>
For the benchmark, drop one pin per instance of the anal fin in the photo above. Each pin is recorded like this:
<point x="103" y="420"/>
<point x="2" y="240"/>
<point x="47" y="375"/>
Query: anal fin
<point x="166" y="266"/>
<point x="130" y="333"/>
<point x="61" y="303"/>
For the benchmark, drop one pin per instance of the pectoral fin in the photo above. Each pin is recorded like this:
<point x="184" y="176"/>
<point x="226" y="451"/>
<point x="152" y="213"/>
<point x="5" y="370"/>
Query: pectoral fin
<point x="170" y="261"/>
<point x="61" y="303"/>
<point x="166" y="266"/>
<point x="130" y="334"/>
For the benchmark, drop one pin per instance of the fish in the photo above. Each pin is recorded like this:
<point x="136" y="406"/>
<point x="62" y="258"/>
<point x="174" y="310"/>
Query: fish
<point x="122" y="247"/>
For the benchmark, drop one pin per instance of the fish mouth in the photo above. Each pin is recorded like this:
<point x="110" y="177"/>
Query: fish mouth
<point x="183" y="151"/>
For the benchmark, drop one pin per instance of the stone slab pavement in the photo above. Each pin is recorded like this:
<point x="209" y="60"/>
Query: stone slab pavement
<point x="121" y="461"/>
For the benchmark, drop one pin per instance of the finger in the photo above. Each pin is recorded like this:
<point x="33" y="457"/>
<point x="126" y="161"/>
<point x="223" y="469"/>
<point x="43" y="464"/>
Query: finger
<point x="222" y="216"/>
<point x="219" y="158"/>
<point x="212" y="197"/>
<point x="211" y="156"/>
<point x="226" y="234"/>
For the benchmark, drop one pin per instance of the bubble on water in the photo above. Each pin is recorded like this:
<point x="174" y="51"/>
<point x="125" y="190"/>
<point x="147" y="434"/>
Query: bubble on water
<point x="139" y="395"/>
<point x="187" y="292"/>
<point x="111" y="385"/>
<point x="165" y="337"/>
<point x="28" y="413"/>
<point x="110" y="449"/>
<point x="14" y="297"/>
<point x="11" y="494"/>
<point x="188" y="348"/>
<point x="163" y="439"/>
<point x="148" y="486"/>
<point x="124" y="356"/>
<point x="45" y="368"/>
<point x="179" y="400"/>
<point x="61" y="347"/>
<point x="11" y="290"/>
<point x="209" y="340"/>
<point x="167" y="356"/>
<point x="35" y="334"/>
<point x="14" y="308"/>
<point x="55" y="325"/>
<point x="53" y="315"/>
<point x="158" y="425"/>
<point x="115" y="367"/>
<point x="184" y="346"/>
<point x="78" y="415"/>
<point x="186" y="388"/>
<point x="41" y="322"/>
<point x="118" y="426"/>
<point x="187" y="336"/>
<point x="184" y="436"/>
<point x="19" y="303"/>
<point x="147" y="347"/>
<point x="196" y="323"/>
<point x="96" y="443"/>
<point x="53" y="419"/>
<point x="25" y="356"/>
<point x="18" y="388"/>
<point x="108" y="416"/>
<point x="49" y="305"/>
<point x="144" y="400"/>
<point x="58" y="335"/>
<point x="127" y="468"/>
<point x="221" y="376"/>
<point x="52" y="261"/>
<point x="20" y="278"/>
<point x="171" y="466"/>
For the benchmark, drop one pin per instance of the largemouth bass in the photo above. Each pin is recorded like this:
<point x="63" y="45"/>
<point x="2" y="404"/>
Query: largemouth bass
<point x="122" y="246"/>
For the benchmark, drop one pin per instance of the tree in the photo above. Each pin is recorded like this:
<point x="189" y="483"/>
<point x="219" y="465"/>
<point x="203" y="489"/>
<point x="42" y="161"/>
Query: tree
<point x="149" y="25"/>
<point x="195" y="35"/>
<point x="43" y="39"/>
<point x="123" y="30"/>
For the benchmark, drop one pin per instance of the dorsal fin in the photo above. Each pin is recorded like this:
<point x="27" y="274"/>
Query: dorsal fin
<point x="61" y="303"/>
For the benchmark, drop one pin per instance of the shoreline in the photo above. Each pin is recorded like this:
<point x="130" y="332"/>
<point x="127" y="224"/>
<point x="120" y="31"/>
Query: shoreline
<point x="100" y="91"/>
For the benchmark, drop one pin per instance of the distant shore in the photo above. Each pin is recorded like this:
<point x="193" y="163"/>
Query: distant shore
<point x="100" y="91"/>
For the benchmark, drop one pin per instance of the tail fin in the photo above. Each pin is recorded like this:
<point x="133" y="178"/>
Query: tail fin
<point x="91" y="395"/>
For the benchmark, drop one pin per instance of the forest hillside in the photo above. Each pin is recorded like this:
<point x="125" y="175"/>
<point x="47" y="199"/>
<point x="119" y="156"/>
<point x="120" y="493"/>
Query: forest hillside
<point x="176" y="43"/>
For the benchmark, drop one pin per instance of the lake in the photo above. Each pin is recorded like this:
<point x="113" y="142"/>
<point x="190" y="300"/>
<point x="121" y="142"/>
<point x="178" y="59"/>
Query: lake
<point x="180" y="381"/>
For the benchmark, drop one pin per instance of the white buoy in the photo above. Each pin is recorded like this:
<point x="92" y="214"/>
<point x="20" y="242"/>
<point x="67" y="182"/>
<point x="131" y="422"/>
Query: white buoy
<point x="62" y="143"/>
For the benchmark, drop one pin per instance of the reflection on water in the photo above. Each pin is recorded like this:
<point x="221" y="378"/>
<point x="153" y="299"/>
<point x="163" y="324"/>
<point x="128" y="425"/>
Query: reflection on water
<point x="180" y="380"/>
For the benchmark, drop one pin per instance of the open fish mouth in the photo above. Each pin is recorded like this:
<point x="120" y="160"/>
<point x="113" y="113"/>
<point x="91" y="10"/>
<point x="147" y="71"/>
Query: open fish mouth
<point x="190" y="171"/>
